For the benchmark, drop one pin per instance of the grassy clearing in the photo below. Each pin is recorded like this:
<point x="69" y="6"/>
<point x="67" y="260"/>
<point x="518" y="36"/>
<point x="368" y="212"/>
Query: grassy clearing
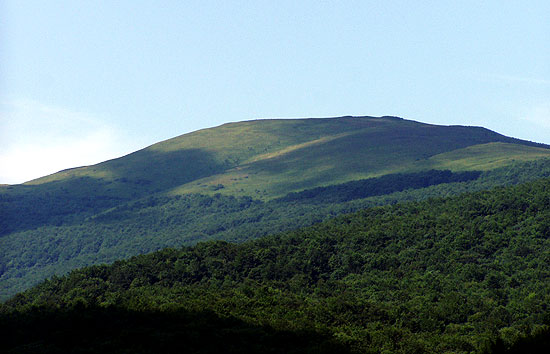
<point x="486" y="157"/>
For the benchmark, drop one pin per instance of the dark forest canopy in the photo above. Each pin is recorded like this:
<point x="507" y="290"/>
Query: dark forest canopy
<point x="443" y="275"/>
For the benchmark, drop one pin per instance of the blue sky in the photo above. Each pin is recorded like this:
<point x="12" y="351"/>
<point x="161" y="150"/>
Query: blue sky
<point x="85" y="81"/>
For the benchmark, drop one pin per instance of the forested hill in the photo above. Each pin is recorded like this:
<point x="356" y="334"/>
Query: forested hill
<point x="67" y="241"/>
<point x="443" y="275"/>
<point x="240" y="181"/>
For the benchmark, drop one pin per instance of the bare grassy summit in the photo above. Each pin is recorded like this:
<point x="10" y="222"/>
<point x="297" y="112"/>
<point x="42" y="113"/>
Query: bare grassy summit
<point x="270" y="158"/>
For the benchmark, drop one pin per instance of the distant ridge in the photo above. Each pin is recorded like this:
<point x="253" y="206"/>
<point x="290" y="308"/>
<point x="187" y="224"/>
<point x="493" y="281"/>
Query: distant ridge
<point x="269" y="158"/>
<point x="241" y="181"/>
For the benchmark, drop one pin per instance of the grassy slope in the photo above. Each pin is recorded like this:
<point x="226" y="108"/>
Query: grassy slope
<point x="485" y="157"/>
<point x="371" y="148"/>
<point x="270" y="158"/>
<point x="264" y="159"/>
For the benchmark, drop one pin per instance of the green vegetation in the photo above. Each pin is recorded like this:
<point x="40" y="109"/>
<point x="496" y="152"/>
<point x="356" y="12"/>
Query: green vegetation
<point x="378" y="186"/>
<point x="465" y="274"/>
<point x="443" y="275"/>
<point x="536" y="343"/>
<point x="85" y="329"/>
<point x="265" y="159"/>
<point x="243" y="172"/>
<point x="485" y="156"/>
<point x="233" y="182"/>
<point x="94" y="234"/>
<point x="373" y="147"/>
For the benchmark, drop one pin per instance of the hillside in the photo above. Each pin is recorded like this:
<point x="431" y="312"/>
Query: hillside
<point x="443" y="275"/>
<point x="241" y="181"/>
<point x="270" y="158"/>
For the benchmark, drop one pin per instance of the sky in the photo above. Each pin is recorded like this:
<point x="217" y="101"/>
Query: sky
<point x="86" y="81"/>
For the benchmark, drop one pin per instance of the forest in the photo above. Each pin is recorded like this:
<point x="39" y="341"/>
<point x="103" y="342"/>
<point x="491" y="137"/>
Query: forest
<point x="85" y="230"/>
<point x="461" y="274"/>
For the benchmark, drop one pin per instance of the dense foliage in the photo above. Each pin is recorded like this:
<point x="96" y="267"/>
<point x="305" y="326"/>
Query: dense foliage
<point x="537" y="342"/>
<point x="92" y="329"/>
<point x="378" y="186"/>
<point x="444" y="275"/>
<point x="223" y="183"/>
<point x="158" y="221"/>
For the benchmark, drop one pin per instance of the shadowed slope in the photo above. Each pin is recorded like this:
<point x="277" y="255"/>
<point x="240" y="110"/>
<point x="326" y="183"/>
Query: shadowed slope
<point x="269" y="158"/>
<point x="83" y="329"/>
<point x="372" y="147"/>
<point x="439" y="276"/>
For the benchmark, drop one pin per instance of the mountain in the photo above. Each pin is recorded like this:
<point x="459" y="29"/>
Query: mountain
<point x="270" y="158"/>
<point x="466" y="274"/>
<point x="242" y="181"/>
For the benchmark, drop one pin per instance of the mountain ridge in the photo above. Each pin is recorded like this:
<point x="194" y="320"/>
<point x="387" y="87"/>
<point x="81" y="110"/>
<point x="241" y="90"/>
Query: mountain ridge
<point x="230" y="182"/>
<point x="234" y="155"/>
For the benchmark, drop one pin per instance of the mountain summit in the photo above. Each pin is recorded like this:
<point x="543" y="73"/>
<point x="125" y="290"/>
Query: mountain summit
<point x="269" y="158"/>
<point x="241" y="181"/>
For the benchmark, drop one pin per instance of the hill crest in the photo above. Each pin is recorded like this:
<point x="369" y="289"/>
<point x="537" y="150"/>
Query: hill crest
<point x="268" y="158"/>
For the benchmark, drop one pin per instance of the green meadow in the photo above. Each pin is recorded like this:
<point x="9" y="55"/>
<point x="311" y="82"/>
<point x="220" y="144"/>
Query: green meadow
<point x="266" y="159"/>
